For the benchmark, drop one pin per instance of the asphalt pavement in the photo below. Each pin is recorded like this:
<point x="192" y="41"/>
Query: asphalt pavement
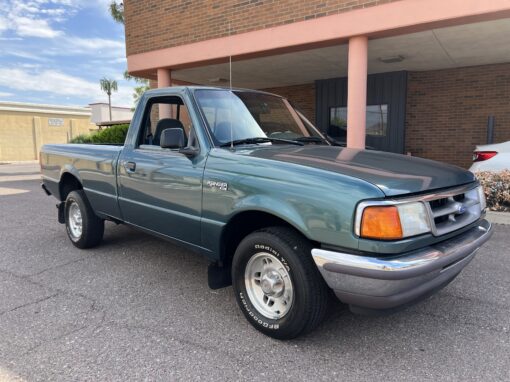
<point x="137" y="308"/>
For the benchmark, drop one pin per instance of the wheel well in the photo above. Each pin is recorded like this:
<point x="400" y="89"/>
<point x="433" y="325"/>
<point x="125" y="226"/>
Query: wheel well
<point x="242" y="225"/>
<point x="68" y="183"/>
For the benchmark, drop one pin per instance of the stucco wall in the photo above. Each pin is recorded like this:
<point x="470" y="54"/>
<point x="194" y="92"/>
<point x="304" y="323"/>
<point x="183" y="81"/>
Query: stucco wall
<point x="22" y="134"/>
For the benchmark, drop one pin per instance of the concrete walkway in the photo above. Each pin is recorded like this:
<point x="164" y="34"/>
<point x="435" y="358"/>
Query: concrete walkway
<point x="498" y="217"/>
<point x="19" y="171"/>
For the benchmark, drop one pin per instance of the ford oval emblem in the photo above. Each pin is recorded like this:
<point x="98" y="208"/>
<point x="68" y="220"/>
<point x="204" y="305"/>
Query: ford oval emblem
<point x="461" y="210"/>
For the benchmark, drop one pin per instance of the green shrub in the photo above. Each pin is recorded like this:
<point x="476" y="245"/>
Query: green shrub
<point x="111" y="135"/>
<point x="83" y="138"/>
<point x="496" y="186"/>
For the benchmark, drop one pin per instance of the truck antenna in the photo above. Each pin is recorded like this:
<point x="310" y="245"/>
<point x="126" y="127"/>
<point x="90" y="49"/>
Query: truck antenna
<point x="231" y="94"/>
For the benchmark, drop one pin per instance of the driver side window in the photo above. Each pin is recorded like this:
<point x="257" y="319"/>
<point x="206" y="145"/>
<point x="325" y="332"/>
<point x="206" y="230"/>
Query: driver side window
<point x="165" y="113"/>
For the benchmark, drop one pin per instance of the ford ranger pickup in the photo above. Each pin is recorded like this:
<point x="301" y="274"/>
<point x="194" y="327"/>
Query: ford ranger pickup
<point x="284" y="214"/>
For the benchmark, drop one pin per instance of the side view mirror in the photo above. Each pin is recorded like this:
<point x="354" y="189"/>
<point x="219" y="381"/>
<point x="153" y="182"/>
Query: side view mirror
<point x="172" y="138"/>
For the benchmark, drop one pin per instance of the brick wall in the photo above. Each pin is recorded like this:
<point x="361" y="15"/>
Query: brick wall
<point x="301" y="96"/>
<point x="157" y="24"/>
<point x="447" y="111"/>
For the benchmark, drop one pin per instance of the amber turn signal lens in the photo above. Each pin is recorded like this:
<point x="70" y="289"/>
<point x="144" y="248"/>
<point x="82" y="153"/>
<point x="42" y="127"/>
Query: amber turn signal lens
<point x="381" y="223"/>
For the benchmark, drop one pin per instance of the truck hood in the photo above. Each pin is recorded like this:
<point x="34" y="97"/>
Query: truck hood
<point x="393" y="174"/>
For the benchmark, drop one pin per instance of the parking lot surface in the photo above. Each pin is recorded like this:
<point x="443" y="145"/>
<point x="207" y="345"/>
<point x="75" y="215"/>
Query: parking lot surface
<point x="138" y="308"/>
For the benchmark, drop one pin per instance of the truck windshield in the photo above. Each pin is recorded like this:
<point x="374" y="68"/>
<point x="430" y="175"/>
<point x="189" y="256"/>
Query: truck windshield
<point x="245" y="117"/>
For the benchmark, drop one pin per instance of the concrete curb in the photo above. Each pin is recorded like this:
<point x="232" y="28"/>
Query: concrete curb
<point x="498" y="217"/>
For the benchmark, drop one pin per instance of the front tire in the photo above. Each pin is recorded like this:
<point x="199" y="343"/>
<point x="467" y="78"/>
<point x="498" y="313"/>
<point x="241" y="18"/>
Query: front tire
<point x="277" y="285"/>
<point x="84" y="227"/>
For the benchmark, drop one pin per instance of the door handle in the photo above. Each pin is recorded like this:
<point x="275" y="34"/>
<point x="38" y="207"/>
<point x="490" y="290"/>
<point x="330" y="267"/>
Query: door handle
<point x="130" y="166"/>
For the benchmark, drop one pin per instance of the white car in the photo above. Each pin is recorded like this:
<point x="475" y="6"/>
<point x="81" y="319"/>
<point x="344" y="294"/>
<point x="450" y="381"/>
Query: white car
<point x="495" y="157"/>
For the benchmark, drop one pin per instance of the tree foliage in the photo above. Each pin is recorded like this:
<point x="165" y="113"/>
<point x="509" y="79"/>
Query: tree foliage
<point x="138" y="90"/>
<point x="108" y="85"/>
<point x="117" y="11"/>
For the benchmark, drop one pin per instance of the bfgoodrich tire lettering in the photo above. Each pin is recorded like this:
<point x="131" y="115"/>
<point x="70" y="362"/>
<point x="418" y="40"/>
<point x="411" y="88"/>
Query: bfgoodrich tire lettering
<point x="306" y="304"/>
<point x="84" y="227"/>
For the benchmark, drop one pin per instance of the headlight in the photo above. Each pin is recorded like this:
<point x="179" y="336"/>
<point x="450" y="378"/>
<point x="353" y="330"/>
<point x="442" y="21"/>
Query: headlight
<point x="391" y="222"/>
<point x="414" y="219"/>
<point x="481" y="198"/>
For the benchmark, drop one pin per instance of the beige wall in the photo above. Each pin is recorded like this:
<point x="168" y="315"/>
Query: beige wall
<point x="23" y="133"/>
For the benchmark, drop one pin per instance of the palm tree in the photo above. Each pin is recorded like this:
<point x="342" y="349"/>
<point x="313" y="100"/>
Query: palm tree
<point x="108" y="86"/>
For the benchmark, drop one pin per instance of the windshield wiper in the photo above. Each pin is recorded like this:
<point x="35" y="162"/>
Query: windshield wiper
<point x="336" y="142"/>
<point x="310" y="139"/>
<point x="257" y="140"/>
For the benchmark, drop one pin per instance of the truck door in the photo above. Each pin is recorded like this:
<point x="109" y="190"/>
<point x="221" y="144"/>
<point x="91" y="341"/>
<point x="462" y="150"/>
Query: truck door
<point x="160" y="189"/>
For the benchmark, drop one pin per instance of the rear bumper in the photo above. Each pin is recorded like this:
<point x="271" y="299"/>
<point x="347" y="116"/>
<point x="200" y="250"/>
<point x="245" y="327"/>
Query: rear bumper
<point x="385" y="283"/>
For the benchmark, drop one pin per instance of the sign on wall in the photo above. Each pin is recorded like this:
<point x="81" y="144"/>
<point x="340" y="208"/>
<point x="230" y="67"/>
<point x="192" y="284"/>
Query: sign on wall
<point x="55" y="121"/>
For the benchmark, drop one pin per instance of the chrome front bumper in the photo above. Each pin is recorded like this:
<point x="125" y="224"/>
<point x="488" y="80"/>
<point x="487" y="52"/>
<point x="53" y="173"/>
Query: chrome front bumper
<point x="381" y="283"/>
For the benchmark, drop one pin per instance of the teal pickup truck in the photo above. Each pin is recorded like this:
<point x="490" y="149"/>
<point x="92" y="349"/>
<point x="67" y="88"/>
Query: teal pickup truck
<point x="284" y="213"/>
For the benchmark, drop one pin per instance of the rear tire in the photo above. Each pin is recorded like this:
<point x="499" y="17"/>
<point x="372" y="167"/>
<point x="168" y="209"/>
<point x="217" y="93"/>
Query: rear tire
<point x="277" y="285"/>
<point x="84" y="227"/>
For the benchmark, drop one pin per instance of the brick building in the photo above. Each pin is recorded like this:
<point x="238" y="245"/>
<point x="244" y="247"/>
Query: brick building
<point x="409" y="76"/>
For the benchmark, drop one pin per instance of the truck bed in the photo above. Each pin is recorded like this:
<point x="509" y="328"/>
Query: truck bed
<point x="94" y="165"/>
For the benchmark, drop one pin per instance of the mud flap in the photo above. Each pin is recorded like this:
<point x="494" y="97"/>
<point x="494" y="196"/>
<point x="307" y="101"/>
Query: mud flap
<point x="61" y="212"/>
<point x="218" y="276"/>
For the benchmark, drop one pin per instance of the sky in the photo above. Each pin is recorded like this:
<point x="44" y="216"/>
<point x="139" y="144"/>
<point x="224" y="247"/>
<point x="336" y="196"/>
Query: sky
<point x="56" y="51"/>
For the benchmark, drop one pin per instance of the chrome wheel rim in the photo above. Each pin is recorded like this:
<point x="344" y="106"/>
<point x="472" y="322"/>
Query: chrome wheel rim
<point x="268" y="285"/>
<point x="75" y="221"/>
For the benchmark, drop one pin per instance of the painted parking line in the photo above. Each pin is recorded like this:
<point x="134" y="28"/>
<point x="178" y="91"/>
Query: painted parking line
<point x="4" y="191"/>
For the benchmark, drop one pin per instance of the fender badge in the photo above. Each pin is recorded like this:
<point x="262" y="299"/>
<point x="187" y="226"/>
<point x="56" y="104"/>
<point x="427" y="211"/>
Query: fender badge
<point x="222" y="186"/>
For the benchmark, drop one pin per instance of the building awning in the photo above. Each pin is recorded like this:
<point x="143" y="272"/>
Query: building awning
<point x="465" y="45"/>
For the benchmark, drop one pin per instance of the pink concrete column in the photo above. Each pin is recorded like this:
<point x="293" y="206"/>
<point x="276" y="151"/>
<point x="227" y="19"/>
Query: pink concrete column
<point x="164" y="80"/>
<point x="357" y="92"/>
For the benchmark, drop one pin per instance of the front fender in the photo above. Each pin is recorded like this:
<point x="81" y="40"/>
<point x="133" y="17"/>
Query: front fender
<point x="320" y="204"/>
<point x="272" y="206"/>
<point x="213" y="231"/>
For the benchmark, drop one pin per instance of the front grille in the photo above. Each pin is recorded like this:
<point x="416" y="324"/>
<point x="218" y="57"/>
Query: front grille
<point x="451" y="211"/>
